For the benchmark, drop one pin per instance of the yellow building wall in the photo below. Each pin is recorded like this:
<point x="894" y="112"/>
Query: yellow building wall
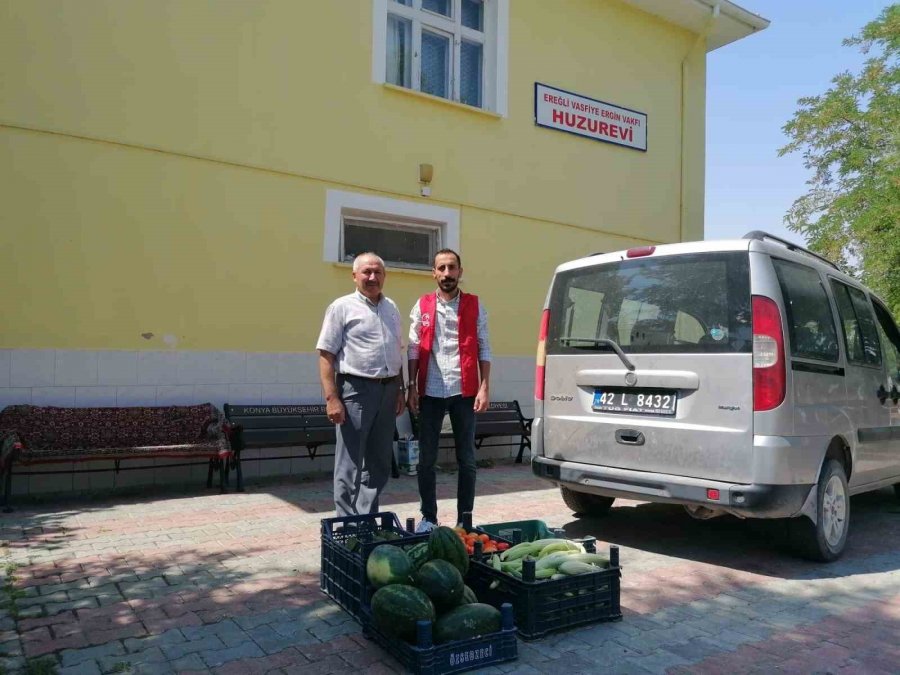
<point x="165" y="165"/>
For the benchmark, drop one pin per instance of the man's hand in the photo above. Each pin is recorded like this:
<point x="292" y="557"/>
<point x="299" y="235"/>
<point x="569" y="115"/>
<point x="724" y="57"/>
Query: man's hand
<point x="412" y="400"/>
<point x="335" y="410"/>
<point x="482" y="400"/>
<point x="401" y="404"/>
<point x="334" y="407"/>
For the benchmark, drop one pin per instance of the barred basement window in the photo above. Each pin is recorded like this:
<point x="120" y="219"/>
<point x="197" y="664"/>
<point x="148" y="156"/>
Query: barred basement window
<point x="405" y="233"/>
<point x="401" y="243"/>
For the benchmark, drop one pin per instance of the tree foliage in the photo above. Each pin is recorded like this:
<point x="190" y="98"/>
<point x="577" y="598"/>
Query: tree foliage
<point x="849" y="139"/>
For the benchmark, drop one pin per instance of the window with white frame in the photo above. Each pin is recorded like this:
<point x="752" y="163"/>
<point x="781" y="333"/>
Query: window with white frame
<point x="454" y="49"/>
<point x="405" y="234"/>
<point x="401" y="242"/>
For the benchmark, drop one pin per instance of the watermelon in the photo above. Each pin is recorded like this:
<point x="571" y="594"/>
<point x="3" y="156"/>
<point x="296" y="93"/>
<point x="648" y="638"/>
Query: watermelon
<point x="397" y="608"/>
<point x="445" y="544"/>
<point x="467" y="621"/>
<point x="418" y="554"/>
<point x="468" y="596"/>
<point x="441" y="582"/>
<point x="388" y="564"/>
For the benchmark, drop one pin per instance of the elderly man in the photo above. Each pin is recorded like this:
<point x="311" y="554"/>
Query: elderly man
<point x="360" y="369"/>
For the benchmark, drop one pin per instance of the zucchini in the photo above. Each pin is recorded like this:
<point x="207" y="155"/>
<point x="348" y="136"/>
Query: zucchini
<point x="574" y="567"/>
<point x="526" y="548"/>
<point x="554" y="559"/>
<point x="592" y="558"/>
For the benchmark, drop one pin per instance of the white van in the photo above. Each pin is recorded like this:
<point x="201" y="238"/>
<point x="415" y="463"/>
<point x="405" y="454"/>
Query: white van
<point x="749" y="377"/>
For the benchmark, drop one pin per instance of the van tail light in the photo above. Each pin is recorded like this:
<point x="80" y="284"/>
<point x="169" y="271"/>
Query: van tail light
<point x="769" y="372"/>
<point x="541" y="360"/>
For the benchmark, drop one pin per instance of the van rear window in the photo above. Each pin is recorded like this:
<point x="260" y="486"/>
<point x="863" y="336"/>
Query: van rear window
<point x="697" y="303"/>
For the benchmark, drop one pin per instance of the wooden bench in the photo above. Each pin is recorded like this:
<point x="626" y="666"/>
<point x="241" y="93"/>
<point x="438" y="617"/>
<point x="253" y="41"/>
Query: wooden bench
<point x="502" y="418"/>
<point x="280" y="426"/>
<point x="32" y="435"/>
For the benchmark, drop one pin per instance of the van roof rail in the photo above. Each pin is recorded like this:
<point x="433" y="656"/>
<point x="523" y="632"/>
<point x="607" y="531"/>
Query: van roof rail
<point x="759" y="235"/>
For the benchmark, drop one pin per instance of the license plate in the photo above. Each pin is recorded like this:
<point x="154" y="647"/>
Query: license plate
<point x="641" y="401"/>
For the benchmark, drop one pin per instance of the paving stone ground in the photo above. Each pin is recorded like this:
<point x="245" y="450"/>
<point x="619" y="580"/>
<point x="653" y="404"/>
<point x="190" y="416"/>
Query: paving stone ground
<point x="201" y="582"/>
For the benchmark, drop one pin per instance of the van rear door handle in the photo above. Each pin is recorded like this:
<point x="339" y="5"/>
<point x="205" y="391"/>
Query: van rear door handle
<point x="649" y="378"/>
<point x="629" y="437"/>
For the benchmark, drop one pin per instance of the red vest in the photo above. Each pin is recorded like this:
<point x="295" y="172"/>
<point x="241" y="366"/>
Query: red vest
<point x="468" y="340"/>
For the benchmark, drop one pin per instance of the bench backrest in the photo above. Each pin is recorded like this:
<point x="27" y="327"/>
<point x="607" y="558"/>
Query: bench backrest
<point x="281" y="425"/>
<point x="262" y="426"/>
<point x="55" y="428"/>
<point x="502" y="418"/>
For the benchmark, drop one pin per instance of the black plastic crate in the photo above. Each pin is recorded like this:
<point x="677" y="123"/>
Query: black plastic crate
<point x="342" y="571"/>
<point x="545" y="606"/>
<point x="425" y="658"/>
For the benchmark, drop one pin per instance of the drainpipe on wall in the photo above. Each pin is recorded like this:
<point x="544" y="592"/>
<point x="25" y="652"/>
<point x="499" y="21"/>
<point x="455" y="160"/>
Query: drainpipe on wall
<point x="685" y="70"/>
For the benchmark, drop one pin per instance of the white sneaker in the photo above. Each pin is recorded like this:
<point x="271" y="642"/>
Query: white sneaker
<point x="425" y="526"/>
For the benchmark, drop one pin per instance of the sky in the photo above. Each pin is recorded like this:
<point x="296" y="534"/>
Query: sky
<point x="752" y="91"/>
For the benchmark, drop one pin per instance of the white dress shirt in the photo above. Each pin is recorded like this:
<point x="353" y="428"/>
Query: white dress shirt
<point x="365" y="337"/>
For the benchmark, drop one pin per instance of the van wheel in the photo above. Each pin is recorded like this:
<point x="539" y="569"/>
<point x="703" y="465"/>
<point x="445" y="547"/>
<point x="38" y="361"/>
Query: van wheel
<point x="585" y="504"/>
<point x="825" y="539"/>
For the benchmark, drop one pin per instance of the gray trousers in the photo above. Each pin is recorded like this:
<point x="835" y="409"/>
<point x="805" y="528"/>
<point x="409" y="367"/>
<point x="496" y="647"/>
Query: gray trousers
<point x="365" y="443"/>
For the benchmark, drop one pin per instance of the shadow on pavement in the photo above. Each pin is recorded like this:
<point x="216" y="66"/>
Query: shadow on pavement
<point x="756" y="546"/>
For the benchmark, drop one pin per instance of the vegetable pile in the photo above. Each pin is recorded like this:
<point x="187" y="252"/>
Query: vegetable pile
<point x="489" y="545"/>
<point x="424" y="581"/>
<point x="554" y="559"/>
